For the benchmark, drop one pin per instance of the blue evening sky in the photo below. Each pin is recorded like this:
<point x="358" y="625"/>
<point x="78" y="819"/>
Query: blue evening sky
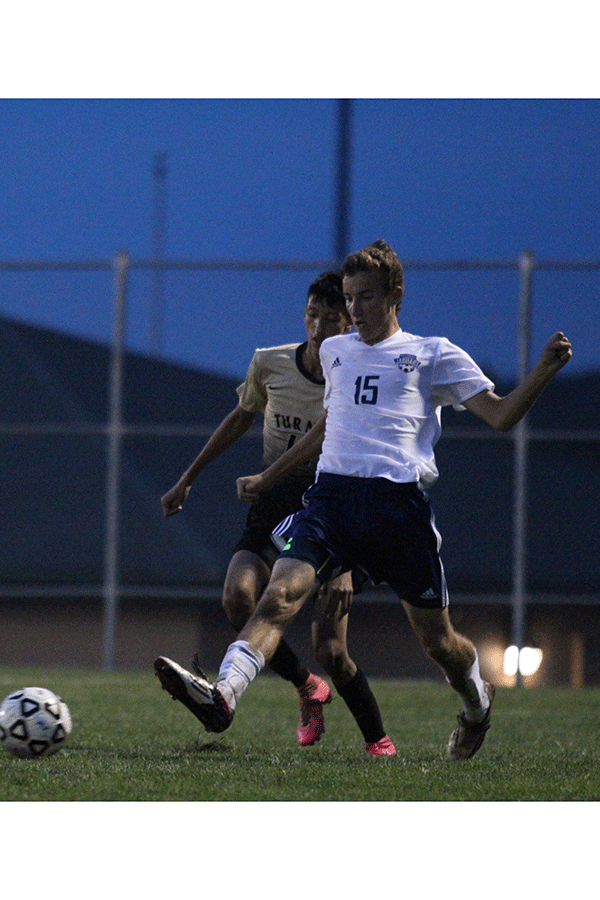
<point x="442" y="178"/>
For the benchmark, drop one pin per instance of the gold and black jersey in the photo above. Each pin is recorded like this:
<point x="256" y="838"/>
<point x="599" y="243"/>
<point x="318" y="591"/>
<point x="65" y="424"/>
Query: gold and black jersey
<point x="289" y="398"/>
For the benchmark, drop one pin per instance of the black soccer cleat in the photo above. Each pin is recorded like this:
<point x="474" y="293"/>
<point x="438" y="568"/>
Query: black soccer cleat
<point x="467" y="737"/>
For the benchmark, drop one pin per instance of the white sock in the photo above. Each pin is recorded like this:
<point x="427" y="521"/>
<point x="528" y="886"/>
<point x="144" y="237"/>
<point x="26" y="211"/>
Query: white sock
<point x="473" y="693"/>
<point x="241" y="664"/>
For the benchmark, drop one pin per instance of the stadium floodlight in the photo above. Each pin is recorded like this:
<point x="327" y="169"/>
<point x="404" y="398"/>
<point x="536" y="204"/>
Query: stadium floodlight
<point x="527" y="659"/>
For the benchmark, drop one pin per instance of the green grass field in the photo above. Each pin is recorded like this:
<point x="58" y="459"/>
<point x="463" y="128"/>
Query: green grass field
<point x="131" y="742"/>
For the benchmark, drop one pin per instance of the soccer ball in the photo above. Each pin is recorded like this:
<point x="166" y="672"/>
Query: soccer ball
<point x="34" y="722"/>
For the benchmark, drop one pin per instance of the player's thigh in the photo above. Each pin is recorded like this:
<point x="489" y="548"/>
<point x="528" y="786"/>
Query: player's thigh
<point x="247" y="573"/>
<point x="292" y="582"/>
<point x="432" y="626"/>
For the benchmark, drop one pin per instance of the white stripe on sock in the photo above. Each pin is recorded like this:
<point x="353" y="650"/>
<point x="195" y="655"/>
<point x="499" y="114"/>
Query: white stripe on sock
<point x="241" y="664"/>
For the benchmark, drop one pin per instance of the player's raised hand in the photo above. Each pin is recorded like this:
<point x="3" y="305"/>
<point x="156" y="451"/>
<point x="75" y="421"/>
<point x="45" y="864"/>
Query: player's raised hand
<point x="173" y="500"/>
<point x="557" y="352"/>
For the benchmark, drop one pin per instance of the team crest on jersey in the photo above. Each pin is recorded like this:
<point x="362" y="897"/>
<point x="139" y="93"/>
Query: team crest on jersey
<point x="407" y="362"/>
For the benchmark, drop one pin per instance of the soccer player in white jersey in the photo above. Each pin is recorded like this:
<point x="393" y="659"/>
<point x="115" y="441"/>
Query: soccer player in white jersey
<point x="285" y="384"/>
<point x="384" y="393"/>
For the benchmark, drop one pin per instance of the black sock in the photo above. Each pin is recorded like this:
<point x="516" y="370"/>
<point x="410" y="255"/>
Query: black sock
<point x="361" y="702"/>
<point x="285" y="662"/>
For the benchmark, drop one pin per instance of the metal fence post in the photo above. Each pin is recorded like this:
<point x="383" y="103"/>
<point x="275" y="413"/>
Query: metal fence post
<point x="113" y="464"/>
<point x="521" y="445"/>
<point x="342" y="211"/>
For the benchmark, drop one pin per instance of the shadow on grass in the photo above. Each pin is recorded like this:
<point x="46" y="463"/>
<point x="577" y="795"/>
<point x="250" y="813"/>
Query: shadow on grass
<point x="211" y="747"/>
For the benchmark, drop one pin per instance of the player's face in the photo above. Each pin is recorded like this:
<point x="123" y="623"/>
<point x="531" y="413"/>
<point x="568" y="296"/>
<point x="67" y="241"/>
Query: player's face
<point x="322" y="322"/>
<point x="372" y="308"/>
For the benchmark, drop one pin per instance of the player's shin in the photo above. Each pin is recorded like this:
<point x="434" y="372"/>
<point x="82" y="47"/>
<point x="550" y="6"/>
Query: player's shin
<point x="471" y="689"/>
<point x="241" y="664"/>
<point x="361" y="702"/>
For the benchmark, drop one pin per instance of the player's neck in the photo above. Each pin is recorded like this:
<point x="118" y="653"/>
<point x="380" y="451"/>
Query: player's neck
<point x="374" y="336"/>
<point x="312" y="363"/>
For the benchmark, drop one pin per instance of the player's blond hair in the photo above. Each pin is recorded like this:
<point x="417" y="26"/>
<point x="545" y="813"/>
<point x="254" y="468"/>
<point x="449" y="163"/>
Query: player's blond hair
<point x="377" y="257"/>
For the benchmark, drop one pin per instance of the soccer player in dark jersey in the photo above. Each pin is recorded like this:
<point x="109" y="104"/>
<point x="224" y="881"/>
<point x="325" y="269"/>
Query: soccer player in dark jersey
<point x="285" y="385"/>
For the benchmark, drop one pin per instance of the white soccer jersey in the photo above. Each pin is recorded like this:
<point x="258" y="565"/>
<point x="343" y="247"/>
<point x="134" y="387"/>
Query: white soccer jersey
<point x="384" y="403"/>
<point x="290" y="399"/>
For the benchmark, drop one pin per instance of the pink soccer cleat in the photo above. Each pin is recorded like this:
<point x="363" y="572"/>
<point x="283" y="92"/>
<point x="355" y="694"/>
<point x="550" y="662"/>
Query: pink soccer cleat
<point x="313" y="696"/>
<point x="382" y="747"/>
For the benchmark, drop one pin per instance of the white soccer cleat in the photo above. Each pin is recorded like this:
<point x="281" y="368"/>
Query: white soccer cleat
<point x="201" y="697"/>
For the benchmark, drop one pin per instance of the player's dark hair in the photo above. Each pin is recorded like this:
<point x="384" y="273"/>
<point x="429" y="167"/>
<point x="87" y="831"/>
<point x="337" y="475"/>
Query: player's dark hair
<point x="327" y="289"/>
<point x="377" y="257"/>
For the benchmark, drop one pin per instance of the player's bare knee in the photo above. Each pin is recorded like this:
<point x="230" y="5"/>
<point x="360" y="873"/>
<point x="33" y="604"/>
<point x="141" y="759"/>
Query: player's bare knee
<point x="278" y="604"/>
<point x="333" y="657"/>
<point x="238" y="605"/>
<point x="328" y="655"/>
<point x="438" y="642"/>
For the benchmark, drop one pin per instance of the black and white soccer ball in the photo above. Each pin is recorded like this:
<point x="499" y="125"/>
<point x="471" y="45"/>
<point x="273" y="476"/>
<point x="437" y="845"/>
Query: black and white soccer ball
<point x="34" y="722"/>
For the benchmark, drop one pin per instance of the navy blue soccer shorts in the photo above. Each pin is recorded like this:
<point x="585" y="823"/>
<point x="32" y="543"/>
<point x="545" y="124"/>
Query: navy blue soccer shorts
<point x="271" y="507"/>
<point x="385" y="527"/>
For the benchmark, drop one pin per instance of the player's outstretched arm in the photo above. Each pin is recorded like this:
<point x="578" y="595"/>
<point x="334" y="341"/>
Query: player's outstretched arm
<point x="233" y="426"/>
<point x="309" y="446"/>
<point x="502" y="413"/>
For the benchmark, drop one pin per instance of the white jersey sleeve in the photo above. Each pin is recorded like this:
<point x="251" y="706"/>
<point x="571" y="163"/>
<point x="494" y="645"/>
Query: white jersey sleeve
<point x="456" y="377"/>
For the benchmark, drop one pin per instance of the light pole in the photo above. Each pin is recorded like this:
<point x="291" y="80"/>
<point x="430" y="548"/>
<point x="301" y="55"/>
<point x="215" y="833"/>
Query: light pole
<point x="159" y="173"/>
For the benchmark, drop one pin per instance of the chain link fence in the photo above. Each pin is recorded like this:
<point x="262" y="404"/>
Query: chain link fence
<point x="99" y="421"/>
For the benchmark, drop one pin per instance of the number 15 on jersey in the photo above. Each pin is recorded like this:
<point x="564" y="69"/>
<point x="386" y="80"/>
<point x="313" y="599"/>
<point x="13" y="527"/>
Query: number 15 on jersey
<point x="365" y="389"/>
